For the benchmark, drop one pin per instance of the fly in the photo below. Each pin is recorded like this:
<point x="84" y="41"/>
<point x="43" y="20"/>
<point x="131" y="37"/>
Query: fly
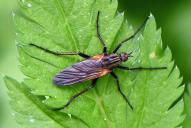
<point x="94" y="67"/>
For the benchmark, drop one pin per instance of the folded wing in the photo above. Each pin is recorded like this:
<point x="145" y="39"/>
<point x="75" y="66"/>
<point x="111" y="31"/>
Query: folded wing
<point x="82" y="71"/>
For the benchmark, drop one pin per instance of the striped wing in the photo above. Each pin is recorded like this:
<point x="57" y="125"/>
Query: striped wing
<point x="82" y="71"/>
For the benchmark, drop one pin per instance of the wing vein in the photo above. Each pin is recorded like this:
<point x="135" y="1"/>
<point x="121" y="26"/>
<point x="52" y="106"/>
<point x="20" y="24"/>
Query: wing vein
<point x="79" y="72"/>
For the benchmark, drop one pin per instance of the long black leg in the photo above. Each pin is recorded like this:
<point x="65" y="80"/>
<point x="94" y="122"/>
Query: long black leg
<point x="99" y="35"/>
<point x="132" y="36"/>
<point x="141" y="68"/>
<point x="119" y="89"/>
<point x="78" y="94"/>
<point x="61" y="53"/>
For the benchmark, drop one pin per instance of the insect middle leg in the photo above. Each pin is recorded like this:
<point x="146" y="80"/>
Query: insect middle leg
<point x="119" y="89"/>
<point x="61" y="53"/>
<point x="141" y="68"/>
<point x="132" y="36"/>
<point x="77" y="95"/>
<point x="99" y="35"/>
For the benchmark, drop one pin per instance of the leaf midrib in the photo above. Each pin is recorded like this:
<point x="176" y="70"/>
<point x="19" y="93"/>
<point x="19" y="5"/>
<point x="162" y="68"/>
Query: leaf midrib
<point x="60" y="7"/>
<point x="143" y="106"/>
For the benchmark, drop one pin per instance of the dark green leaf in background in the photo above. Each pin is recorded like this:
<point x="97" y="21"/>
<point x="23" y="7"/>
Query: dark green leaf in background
<point x="69" y="25"/>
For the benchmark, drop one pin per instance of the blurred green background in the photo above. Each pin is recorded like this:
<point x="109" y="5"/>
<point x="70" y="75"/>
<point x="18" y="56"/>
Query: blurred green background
<point x="174" y="16"/>
<point x="8" y="59"/>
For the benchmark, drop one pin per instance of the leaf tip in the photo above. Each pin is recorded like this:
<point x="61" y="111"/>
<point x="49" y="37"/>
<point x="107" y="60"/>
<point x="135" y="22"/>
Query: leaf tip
<point x="151" y="15"/>
<point x="151" y="24"/>
<point x="9" y="81"/>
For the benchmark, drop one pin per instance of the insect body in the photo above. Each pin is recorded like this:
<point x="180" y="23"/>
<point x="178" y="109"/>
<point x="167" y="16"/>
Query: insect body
<point x="89" y="69"/>
<point x="94" y="67"/>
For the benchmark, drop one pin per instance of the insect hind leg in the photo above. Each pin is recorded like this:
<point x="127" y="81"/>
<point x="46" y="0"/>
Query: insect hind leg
<point x="61" y="53"/>
<point x="119" y="89"/>
<point x="77" y="95"/>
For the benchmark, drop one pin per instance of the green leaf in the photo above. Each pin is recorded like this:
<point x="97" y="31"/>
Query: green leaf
<point x="187" y="110"/>
<point x="69" y="25"/>
<point x="29" y="110"/>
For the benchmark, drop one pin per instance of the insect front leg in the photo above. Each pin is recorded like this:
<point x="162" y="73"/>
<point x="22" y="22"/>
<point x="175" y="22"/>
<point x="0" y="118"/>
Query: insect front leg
<point x="119" y="89"/>
<point x="141" y="68"/>
<point x="132" y="36"/>
<point x="77" y="95"/>
<point x="99" y="35"/>
<point x="61" y="53"/>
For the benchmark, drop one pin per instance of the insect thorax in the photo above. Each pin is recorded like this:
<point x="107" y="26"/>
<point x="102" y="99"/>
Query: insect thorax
<point x="111" y="61"/>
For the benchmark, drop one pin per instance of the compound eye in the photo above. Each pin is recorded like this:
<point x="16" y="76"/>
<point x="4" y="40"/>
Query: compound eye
<point x="124" y="56"/>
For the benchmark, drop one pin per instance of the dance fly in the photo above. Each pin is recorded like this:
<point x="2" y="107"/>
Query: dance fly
<point x="94" y="67"/>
